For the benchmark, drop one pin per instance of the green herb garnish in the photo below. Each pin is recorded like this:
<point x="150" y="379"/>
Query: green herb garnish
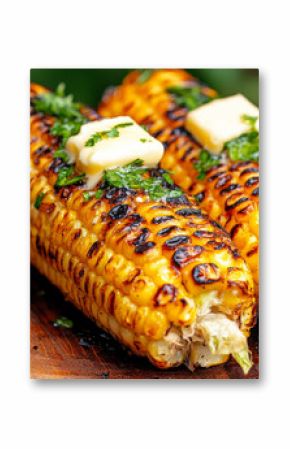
<point x="99" y="193"/>
<point x="134" y="176"/>
<point x="63" y="322"/>
<point x="205" y="162"/>
<point x="67" y="127"/>
<point x="250" y="120"/>
<point x="167" y="178"/>
<point x="38" y="200"/>
<point x="111" y="133"/>
<point x="57" y="104"/>
<point x="188" y="97"/>
<point x="65" y="178"/>
<point x="144" y="75"/>
<point x="87" y="195"/>
<point x="244" y="147"/>
<point x="62" y="154"/>
<point x="69" y="119"/>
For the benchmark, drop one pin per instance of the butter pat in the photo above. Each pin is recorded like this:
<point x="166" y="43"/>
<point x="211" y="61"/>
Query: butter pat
<point x="219" y="121"/>
<point x="114" y="143"/>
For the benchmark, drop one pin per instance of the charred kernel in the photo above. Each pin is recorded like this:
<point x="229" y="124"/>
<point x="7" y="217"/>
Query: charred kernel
<point x="176" y="241"/>
<point x="239" y="165"/>
<point x="216" y="245"/>
<point x="252" y="251"/>
<point x="93" y="249"/>
<point x="217" y="225"/>
<point x="134" y="221"/>
<point x="222" y="181"/>
<point x="204" y="234"/>
<point x="66" y="192"/>
<point x="235" y="253"/>
<point x="161" y="206"/>
<point x="175" y="114"/>
<point x="237" y="203"/>
<point x="205" y="273"/>
<point x="199" y="197"/>
<point x="51" y="255"/>
<point x="216" y="175"/>
<point x="178" y="131"/>
<point x="246" y="209"/>
<point x="118" y="212"/>
<point x="142" y="237"/>
<point x="81" y="272"/>
<point x="186" y="254"/>
<point x="249" y="170"/>
<point x="144" y="247"/>
<point x="255" y="192"/>
<point x="41" y="151"/>
<point x="158" y="133"/>
<point x="189" y="211"/>
<point x="162" y="219"/>
<point x="136" y="218"/>
<point x="186" y="154"/>
<point x="166" y="231"/>
<point x="178" y="200"/>
<point x="131" y="277"/>
<point x="77" y="234"/>
<point x="235" y="230"/>
<point x="242" y="285"/>
<point x="252" y="181"/>
<point x="166" y="293"/>
<point x="48" y="208"/>
<point x="56" y="165"/>
<point x="115" y="195"/>
<point x="229" y="188"/>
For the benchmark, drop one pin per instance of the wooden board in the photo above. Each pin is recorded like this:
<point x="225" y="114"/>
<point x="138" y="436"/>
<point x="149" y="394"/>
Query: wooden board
<point x="86" y="352"/>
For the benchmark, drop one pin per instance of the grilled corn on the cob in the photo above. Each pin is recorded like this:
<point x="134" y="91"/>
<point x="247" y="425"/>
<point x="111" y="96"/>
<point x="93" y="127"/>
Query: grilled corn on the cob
<point x="229" y="192"/>
<point x="161" y="277"/>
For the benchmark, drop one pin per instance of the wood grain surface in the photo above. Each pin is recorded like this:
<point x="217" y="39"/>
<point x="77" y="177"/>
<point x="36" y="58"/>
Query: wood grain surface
<point x="87" y="352"/>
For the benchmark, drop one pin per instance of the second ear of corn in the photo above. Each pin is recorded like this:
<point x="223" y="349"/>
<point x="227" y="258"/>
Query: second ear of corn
<point x="229" y="193"/>
<point x="145" y="271"/>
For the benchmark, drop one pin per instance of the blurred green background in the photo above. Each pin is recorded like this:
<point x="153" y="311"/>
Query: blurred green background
<point x="88" y="85"/>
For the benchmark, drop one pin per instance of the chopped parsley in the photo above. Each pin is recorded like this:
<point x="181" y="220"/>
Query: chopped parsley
<point x="244" y="147"/>
<point x="111" y="133"/>
<point x="65" y="177"/>
<point x="57" y="104"/>
<point x="134" y="176"/>
<point x="63" y="322"/>
<point x="99" y="193"/>
<point x="144" y="75"/>
<point x="38" y="200"/>
<point x="87" y="195"/>
<point x="67" y="127"/>
<point x="250" y="120"/>
<point x="68" y="117"/>
<point x="188" y="97"/>
<point x="144" y="140"/>
<point x="205" y="162"/>
<point x="62" y="154"/>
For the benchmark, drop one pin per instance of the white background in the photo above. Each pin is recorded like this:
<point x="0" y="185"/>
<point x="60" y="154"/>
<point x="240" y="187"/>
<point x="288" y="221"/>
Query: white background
<point x="140" y="414"/>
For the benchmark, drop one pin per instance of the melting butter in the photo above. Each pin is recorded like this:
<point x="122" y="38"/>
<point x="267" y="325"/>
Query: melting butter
<point x="221" y="120"/>
<point x="110" y="149"/>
